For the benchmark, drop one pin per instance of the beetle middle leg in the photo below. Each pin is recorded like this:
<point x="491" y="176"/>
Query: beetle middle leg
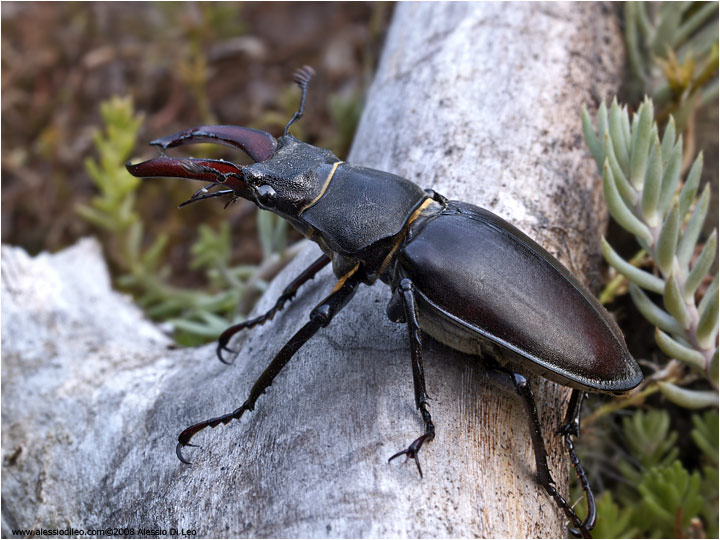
<point x="287" y="294"/>
<point x="320" y="317"/>
<point x="421" y="397"/>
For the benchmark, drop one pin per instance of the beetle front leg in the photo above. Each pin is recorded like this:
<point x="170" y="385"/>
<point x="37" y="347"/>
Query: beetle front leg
<point x="287" y="294"/>
<point x="320" y="317"/>
<point x="522" y="387"/>
<point x="421" y="397"/>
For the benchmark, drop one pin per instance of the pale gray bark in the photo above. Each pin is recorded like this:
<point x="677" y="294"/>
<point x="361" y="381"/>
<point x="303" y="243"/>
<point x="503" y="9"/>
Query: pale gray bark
<point x="481" y="103"/>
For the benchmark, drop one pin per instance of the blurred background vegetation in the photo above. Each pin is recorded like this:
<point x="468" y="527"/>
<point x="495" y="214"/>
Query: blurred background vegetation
<point x="87" y="85"/>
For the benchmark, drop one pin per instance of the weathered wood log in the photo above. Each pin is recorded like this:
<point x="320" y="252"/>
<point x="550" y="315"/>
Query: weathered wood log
<point x="481" y="103"/>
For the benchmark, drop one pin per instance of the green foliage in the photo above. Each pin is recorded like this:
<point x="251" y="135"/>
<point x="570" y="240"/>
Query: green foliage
<point x="671" y="498"/>
<point x="641" y="182"/>
<point x="662" y="485"/>
<point x="658" y="496"/>
<point x="705" y="435"/>
<point x="112" y="210"/>
<point x="672" y="52"/>
<point x="613" y="521"/>
<point x="195" y="315"/>
<point x="650" y="442"/>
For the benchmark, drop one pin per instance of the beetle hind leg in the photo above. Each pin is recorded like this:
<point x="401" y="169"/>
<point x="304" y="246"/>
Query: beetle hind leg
<point x="421" y="397"/>
<point x="522" y="387"/>
<point x="571" y="428"/>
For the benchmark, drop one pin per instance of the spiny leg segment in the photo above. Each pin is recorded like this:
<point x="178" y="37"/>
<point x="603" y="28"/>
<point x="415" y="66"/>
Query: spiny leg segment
<point x="522" y="387"/>
<point x="421" y="397"/>
<point x="320" y="317"/>
<point x="287" y="295"/>
<point x="571" y="428"/>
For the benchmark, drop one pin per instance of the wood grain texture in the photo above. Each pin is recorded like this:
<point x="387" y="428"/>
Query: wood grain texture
<point x="480" y="102"/>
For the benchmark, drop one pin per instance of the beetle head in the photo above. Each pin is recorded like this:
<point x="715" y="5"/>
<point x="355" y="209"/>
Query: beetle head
<point x="283" y="179"/>
<point x="259" y="145"/>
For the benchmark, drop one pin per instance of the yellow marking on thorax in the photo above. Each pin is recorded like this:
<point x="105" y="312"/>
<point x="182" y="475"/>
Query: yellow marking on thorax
<point x="324" y="188"/>
<point x="401" y="236"/>
<point x="343" y="279"/>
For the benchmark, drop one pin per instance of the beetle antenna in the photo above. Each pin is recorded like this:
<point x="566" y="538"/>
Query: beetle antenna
<point x="302" y="78"/>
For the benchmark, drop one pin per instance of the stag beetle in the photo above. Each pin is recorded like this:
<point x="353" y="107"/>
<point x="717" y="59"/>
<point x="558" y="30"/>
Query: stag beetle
<point x="503" y="297"/>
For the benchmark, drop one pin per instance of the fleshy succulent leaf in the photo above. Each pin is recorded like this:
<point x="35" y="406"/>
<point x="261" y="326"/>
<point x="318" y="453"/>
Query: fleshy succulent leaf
<point x="667" y="241"/>
<point x="644" y="279"/>
<point x="677" y="350"/>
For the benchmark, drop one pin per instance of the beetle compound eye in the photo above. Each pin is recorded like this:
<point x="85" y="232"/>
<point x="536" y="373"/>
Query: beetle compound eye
<point x="266" y="195"/>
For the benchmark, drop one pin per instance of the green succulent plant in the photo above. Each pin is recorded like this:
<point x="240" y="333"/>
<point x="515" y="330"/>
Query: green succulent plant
<point x="641" y="181"/>
<point x="672" y="50"/>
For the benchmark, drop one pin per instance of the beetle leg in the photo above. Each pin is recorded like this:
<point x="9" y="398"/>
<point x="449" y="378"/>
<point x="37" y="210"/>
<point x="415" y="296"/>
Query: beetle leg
<point x="208" y="195"/>
<point x="522" y="387"/>
<point x="421" y="397"/>
<point x="569" y="429"/>
<point x="320" y="317"/>
<point x="287" y="294"/>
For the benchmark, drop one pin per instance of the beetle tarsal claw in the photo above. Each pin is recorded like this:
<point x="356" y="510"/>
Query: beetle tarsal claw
<point x="178" y="451"/>
<point x="412" y="451"/>
<point x="220" y="348"/>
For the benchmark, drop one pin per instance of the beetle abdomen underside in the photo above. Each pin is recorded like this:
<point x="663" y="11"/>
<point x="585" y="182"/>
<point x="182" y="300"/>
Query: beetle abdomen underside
<point x="480" y="277"/>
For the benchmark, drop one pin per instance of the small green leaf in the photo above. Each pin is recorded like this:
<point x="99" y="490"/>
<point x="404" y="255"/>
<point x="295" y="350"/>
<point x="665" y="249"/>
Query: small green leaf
<point x="625" y="218"/>
<point x="676" y="350"/>
<point x="134" y="241"/>
<point x="667" y="26"/>
<point x="675" y="303"/>
<point x="708" y="324"/>
<point x="689" y="238"/>
<point x="687" y="195"/>
<point x="668" y="140"/>
<point x="711" y="291"/>
<point x="615" y="130"/>
<point x="602" y="121"/>
<point x="627" y="192"/>
<point x="667" y="242"/>
<point x="654" y="314"/>
<point x="151" y="257"/>
<point x="652" y="184"/>
<point x="670" y="178"/>
<point x="641" y="144"/>
<point x="690" y="399"/>
<point x="631" y="39"/>
<point x="644" y="279"/>
<point x="591" y="139"/>
<point x="626" y="126"/>
<point x="705" y="434"/>
<point x="701" y="268"/>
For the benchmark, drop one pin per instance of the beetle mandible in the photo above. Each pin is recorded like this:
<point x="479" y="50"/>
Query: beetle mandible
<point x="504" y="297"/>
